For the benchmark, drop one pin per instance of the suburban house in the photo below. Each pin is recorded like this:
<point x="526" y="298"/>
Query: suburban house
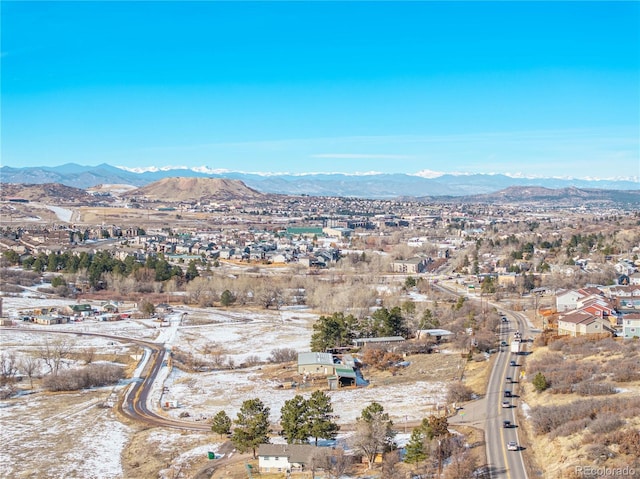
<point x="285" y="457"/>
<point x="597" y="305"/>
<point x="581" y="323"/>
<point x="568" y="300"/>
<point x="631" y="326"/>
<point x="626" y="297"/>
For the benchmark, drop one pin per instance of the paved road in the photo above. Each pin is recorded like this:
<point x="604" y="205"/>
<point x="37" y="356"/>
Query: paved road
<point x="134" y="402"/>
<point x="488" y="413"/>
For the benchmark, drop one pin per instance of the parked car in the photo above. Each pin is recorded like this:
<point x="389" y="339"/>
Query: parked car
<point x="506" y="424"/>
<point x="512" y="446"/>
<point x="506" y="404"/>
<point x="512" y="363"/>
<point x="507" y="394"/>
<point x="509" y="379"/>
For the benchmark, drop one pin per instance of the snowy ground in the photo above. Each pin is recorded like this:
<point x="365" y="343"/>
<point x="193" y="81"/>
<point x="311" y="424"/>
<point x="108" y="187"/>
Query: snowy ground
<point x="69" y="435"/>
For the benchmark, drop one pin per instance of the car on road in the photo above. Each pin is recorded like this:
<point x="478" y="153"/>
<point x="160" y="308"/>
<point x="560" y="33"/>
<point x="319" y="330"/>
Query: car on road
<point x="512" y="363"/>
<point x="504" y="319"/>
<point x="512" y="446"/>
<point x="506" y="404"/>
<point x="509" y="379"/>
<point x="506" y="424"/>
<point x="507" y="394"/>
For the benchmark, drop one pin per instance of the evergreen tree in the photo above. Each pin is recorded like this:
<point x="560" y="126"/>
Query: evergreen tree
<point x="221" y="423"/>
<point x="294" y="420"/>
<point x="415" y="450"/>
<point x="320" y="417"/>
<point x="388" y="323"/>
<point x="192" y="271"/>
<point x="540" y="382"/>
<point x="251" y="426"/>
<point x="331" y="331"/>
<point x="410" y="282"/>
<point x="227" y="298"/>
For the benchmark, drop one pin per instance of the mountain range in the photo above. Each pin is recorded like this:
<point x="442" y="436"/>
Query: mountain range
<point x="313" y="184"/>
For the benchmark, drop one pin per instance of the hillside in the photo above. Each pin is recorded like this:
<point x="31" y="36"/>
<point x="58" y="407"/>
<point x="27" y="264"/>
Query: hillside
<point x="538" y="195"/>
<point x="52" y="193"/>
<point x="195" y="189"/>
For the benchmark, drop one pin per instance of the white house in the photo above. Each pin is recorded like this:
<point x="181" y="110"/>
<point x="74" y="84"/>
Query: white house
<point x="284" y="457"/>
<point x="631" y="325"/>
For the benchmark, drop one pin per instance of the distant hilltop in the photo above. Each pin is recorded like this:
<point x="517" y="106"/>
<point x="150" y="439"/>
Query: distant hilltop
<point x="191" y="189"/>
<point x="312" y="184"/>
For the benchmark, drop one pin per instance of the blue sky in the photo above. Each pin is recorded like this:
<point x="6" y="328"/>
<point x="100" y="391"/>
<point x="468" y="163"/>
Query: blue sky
<point x="523" y="88"/>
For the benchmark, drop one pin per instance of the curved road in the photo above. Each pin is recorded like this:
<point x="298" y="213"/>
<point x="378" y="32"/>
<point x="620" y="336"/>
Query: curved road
<point x="134" y="402"/>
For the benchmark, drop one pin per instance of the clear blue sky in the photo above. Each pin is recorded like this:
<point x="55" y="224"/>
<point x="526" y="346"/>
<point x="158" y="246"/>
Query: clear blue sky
<point x="532" y="88"/>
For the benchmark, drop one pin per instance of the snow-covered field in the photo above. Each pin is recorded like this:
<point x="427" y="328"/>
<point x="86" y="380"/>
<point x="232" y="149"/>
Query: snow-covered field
<point x="69" y="435"/>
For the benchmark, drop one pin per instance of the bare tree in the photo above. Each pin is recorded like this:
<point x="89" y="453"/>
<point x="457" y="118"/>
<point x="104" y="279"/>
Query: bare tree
<point x="334" y="462"/>
<point x="54" y="353"/>
<point x="89" y="354"/>
<point x="8" y="366"/>
<point x="373" y="433"/>
<point x="29" y="366"/>
<point x="390" y="462"/>
<point x="461" y="462"/>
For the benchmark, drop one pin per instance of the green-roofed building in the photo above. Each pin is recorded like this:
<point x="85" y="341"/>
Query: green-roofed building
<point x="304" y="231"/>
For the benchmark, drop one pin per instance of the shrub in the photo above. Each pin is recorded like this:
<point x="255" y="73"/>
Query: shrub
<point x="628" y="441"/>
<point x="283" y="355"/>
<point x="252" y="360"/>
<point x="380" y="359"/>
<point x="90" y="376"/>
<point x="605" y="424"/>
<point x="588" y="388"/>
<point x="570" y="427"/>
<point x="459" y="392"/>
<point x="598" y="451"/>
<point x="546" y="419"/>
<point x="625" y="370"/>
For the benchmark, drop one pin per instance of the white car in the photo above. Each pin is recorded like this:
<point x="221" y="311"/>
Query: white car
<point x="512" y="446"/>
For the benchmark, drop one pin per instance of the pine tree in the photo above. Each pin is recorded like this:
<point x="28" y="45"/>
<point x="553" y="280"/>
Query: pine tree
<point x="294" y="414"/>
<point x="251" y="426"/>
<point x="320" y="417"/>
<point x="192" y="271"/>
<point x="415" y="450"/>
<point x="227" y="298"/>
<point x="540" y="382"/>
<point x="221" y="424"/>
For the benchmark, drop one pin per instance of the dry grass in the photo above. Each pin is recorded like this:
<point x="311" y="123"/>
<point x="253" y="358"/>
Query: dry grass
<point x="558" y="457"/>
<point x="476" y="375"/>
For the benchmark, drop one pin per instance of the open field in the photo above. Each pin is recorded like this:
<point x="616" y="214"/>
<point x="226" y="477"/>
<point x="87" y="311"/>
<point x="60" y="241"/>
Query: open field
<point x="88" y="440"/>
